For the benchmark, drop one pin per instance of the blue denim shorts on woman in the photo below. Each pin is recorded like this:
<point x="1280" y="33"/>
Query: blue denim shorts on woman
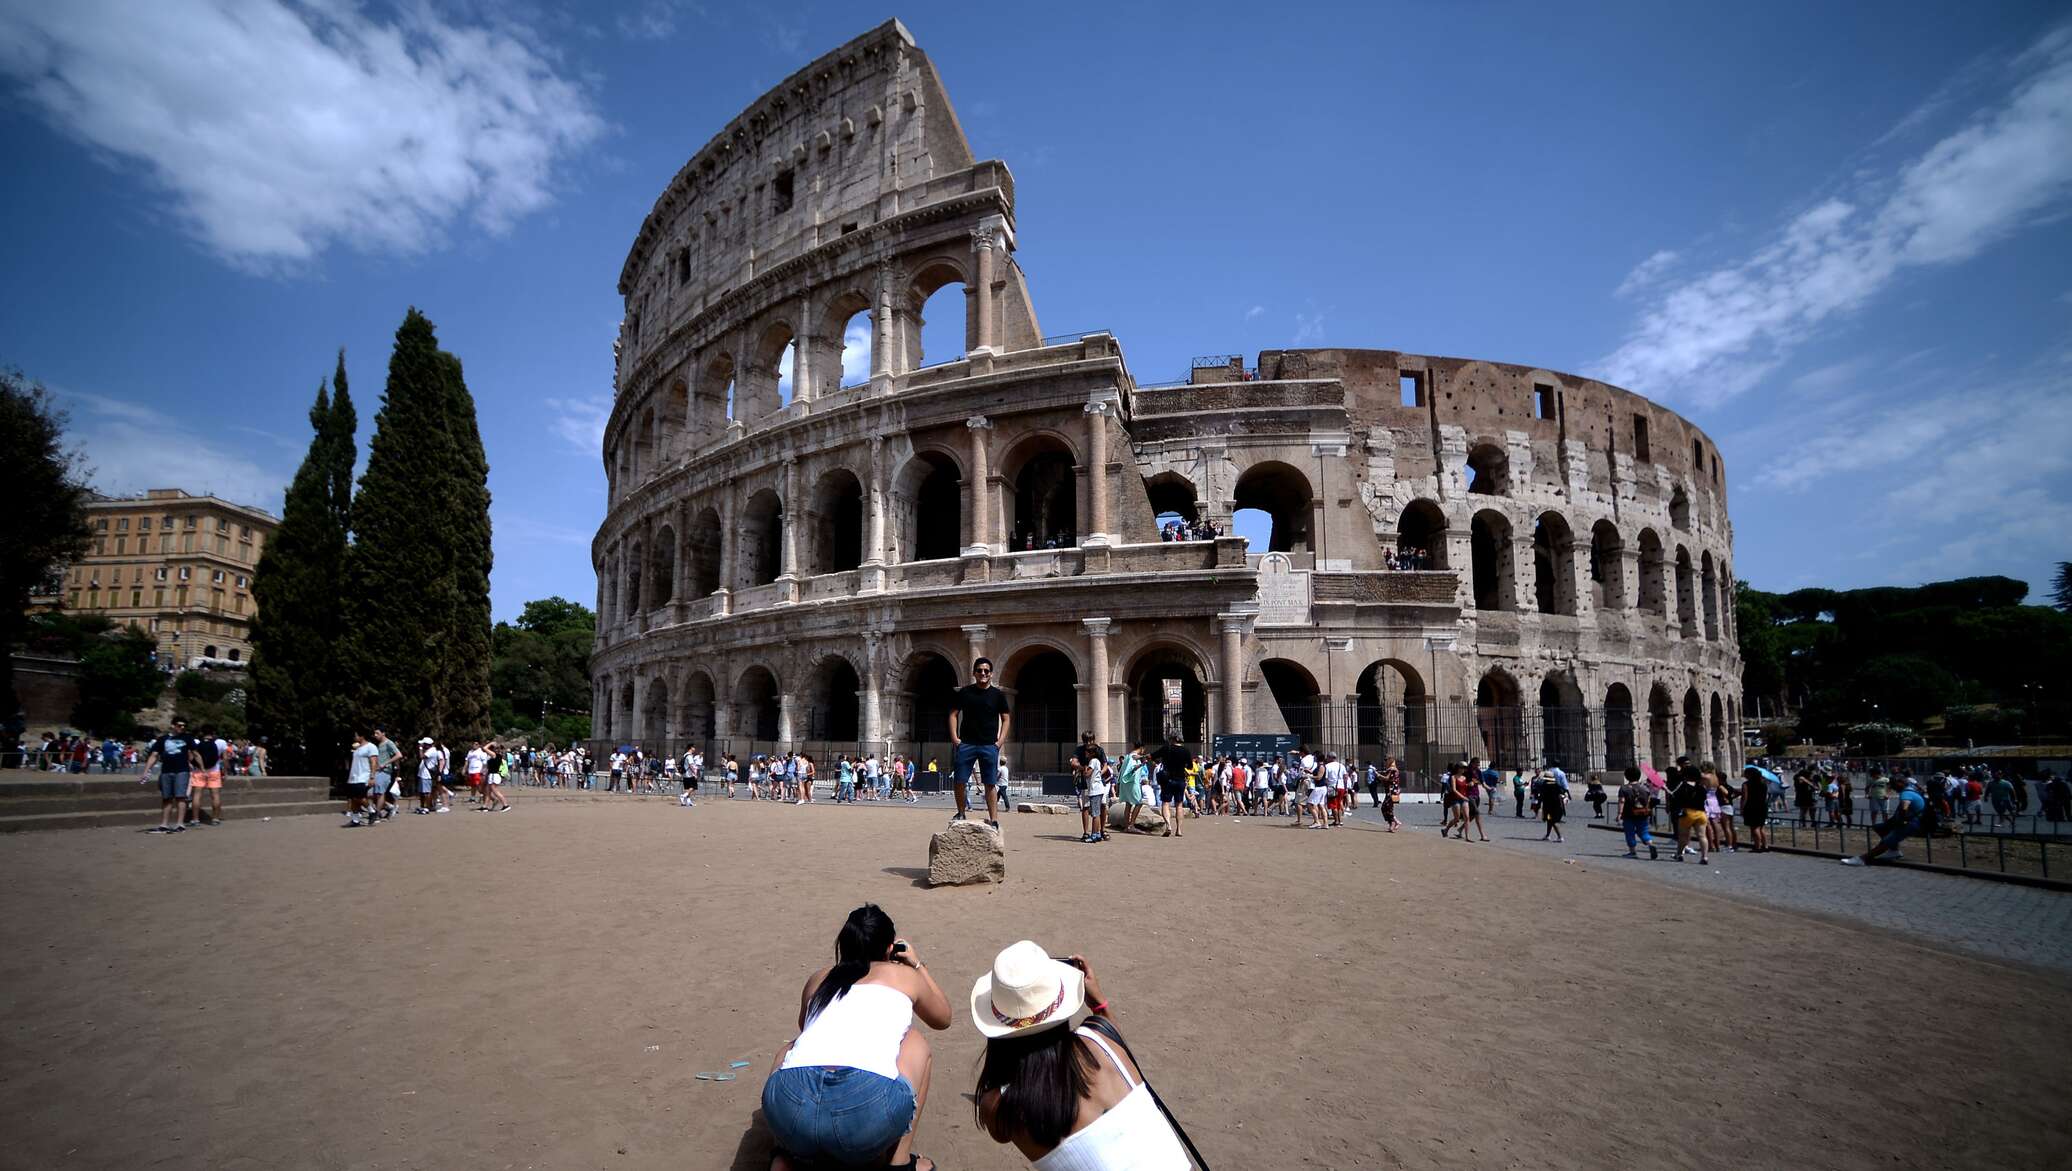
<point x="837" y="1114"/>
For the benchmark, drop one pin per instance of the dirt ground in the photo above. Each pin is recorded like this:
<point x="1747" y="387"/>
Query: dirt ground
<point x="539" y="989"/>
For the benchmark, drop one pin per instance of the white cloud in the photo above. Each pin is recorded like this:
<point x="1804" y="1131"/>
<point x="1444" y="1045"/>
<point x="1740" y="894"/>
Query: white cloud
<point x="655" y="20"/>
<point x="1716" y="335"/>
<point x="856" y="350"/>
<point x="580" y="421"/>
<point x="1647" y="273"/>
<point x="1835" y="376"/>
<point x="129" y="448"/>
<point x="1255" y="311"/>
<point x="1309" y="328"/>
<point x="280" y="129"/>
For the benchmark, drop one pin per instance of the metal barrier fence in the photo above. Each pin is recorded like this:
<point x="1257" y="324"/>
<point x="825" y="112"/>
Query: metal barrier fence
<point x="2039" y="855"/>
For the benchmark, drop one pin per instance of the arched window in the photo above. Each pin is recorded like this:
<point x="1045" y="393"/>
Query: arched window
<point x="931" y="685"/>
<point x="1618" y="727"/>
<point x="635" y="564"/>
<point x="662" y="569"/>
<point x="837" y="522"/>
<point x="644" y="445"/>
<point x="1296" y="694"/>
<point x="1686" y="589"/>
<point x="762" y="539"/>
<point x="927" y="508"/>
<point x="1680" y="510"/>
<point x="699" y="709"/>
<point x="856" y="337"/>
<point x="1607" y="569"/>
<point x="715" y="392"/>
<point x="940" y="330"/>
<point x="1694" y="724"/>
<point x="705" y="541"/>
<point x="1421" y="533"/>
<point x="1564" y="725"/>
<point x="758" y="395"/>
<point x="1553" y="565"/>
<point x="1172" y="498"/>
<point x="1719" y="731"/>
<point x="1389" y="715"/>
<point x="1283" y="493"/>
<point x="832" y="708"/>
<point x="1661" y="723"/>
<point x="1708" y="593"/>
<point x="1151" y="715"/>
<point x="1045" y="510"/>
<point x="1489" y="470"/>
<point x="654" y="716"/>
<point x="1046" y="707"/>
<point x="755" y="707"/>
<point x="675" y="434"/>
<point x="1500" y="718"/>
<point x="1652" y="600"/>
<point x="1489" y="537"/>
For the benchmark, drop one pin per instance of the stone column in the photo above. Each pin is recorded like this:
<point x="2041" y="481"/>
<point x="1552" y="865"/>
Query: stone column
<point x="872" y="717"/>
<point x="981" y="302"/>
<point x="787" y="718"/>
<point x="802" y="355"/>
<point x="1235" y="626"/>
<point x="981" y="487"/>
<point x="680" y="584"/>
<point x="729" y="550"/>
<point x="788" y="575"/>
<point x="636" y="720"/>
<point x="874" y="551"/>
<point x="883" y="337"/>
<point x="1097" y="658"/>
<point x="1097" y="472"/>
<point x="974" y="646"/>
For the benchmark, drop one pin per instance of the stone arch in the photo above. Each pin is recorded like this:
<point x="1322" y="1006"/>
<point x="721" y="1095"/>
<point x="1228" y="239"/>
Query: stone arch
<point x="699" y="708"/>
<point x="623" y="720"/>
<point x="836" y="516"/>
<point x="1389" y="713"/>
<point x="927" y="685"/>
<point x="1564" y="722"/>
<point x="1719" y="731"/>
<point x="1686" y="602"/>
<point x="927" y="507"/>
<point x="714" y="395"/>
<point x="1661" y="726"/>
<point x="1171" y="494"/>
<point x="1500" y="717"/>
<point x="1680" y="510"/>
<point x="1607" y="569"/>
<point x="1296" y="694"/>
<point x="844" y="358"/>
<point x="756" y="703"/>
<point x="1708" y="595"/>
<point x="654" y="716"/>
<point x="1618" y="727"/>
<point x="761" y="537"/>
<point x="834" y="711"/>
<point x="1489" y="540"/>
<point x="1488" y="469"/>
<point x="1144" y="675"/>
<point x="634" y="567"/>
<point x="934" y="276"/>
<point x="1693" y="723"/>
<point x="676" y="416"/>
<point x="662" y="568"/>
<point x="1553" y="564"/>
<point x="760" y="395"/>
<point x="1043" y="504"/>
<point x="643" y="447"/>
<point x="1652" y="600"/>
<point x="1284" y="493"/>
<point x="1422" y="525"/>
<point x="1042" y="680"/>
<point x="706" y="541"/>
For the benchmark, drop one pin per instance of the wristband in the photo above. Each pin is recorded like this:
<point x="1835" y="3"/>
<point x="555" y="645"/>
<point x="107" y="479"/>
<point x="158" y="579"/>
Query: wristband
<point x="1101" y="1008"/>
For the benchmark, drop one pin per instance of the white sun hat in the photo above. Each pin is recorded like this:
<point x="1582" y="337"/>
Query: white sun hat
<point x="1027" y="991"/>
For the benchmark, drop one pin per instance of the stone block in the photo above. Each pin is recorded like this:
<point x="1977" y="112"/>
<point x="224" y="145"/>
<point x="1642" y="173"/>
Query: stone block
<point x="1147" y="818"/>
<point x="967" y="852"/>
<point x="1041" y="807"/>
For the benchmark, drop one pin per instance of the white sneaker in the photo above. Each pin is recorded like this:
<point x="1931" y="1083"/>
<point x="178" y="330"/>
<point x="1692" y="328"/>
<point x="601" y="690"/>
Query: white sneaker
<point x="1852" y="860"/>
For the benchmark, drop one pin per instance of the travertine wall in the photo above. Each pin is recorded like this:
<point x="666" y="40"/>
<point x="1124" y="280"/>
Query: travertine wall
<point x="817" y="568"/>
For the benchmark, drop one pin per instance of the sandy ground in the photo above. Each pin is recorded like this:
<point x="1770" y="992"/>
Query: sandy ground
<point x="539" y="988"/>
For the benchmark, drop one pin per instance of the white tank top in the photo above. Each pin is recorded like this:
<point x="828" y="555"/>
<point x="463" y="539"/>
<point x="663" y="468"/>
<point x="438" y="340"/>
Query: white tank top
<point x="1132" y="1135"/>
<point x="861" y="1029"/>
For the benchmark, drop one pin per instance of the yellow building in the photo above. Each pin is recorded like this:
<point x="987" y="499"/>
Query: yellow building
<point x="176" y="565"/>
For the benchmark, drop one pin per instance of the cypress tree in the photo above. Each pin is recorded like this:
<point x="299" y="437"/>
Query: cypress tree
<point x="416" y="599"/>
<point x="296" y="684"/>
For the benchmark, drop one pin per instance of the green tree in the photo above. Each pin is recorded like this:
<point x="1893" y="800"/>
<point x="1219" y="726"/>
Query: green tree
<point x="118" y="675"/>
<point x="540" y="673"/>
<point x="298" y="691"/>
<point x="2061" y="588"/>
<point x="417" y="644"/>
<point x="43" y="527"/>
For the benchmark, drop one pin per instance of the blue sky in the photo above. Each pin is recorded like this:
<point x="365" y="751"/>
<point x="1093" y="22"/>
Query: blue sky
<point x="1834" y="235"/>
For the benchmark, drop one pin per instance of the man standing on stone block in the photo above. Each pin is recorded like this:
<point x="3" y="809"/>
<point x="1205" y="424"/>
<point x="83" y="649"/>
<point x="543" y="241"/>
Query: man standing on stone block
<point x="978" y="726"/>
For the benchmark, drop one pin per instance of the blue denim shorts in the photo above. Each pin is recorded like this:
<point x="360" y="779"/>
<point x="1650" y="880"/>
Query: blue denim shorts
<point x="837" y="1114"/>
<point x="986" y="756"/>
<point x="173" y="786"/>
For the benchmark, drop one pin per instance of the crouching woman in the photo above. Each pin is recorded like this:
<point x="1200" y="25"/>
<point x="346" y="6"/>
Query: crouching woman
<point x="1057" y="1080"/>
<point x="849" y="1090"/>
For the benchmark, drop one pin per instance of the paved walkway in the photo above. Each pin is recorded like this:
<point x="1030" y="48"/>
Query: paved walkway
<point x="1994" y="919"/>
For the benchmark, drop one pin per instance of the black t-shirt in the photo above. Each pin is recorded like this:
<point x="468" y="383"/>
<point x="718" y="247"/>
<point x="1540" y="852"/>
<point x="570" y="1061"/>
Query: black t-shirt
<point x="1087" y="756"/>
<point x="979" y="710"/>
<point x="1175" y="758"/>
<point x="172" y="752"/>
<point x="207" y="747"/>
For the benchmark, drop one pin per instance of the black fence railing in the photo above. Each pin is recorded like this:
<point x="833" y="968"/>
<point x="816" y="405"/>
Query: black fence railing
<point x="2045" y="852"/>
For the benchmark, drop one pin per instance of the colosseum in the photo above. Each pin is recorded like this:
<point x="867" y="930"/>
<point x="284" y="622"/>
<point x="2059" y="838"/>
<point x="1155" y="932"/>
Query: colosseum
<point x="806" y="548"/>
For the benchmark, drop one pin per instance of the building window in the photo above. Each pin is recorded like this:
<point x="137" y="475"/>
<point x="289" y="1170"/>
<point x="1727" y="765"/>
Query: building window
<point x="683" y="266"/>
<point x="158" y="574"/>
<point x="186" y="572"/>
<point x="240" y="581"/>
<point x="100" y="546"/>
<point x="121" y="545"/>
<point x="244" y="532"/>
<point x="136" y="599"/>
<point x="157" y="599"/>
<point x="215" y="599"/>
<point x="186" y="542"/>
<point x="101" y="525"/>
<point x="121" y="524"/>
<point x="217" y="577"/>
<point x="1640" y="438"/>
<point x="191" y="519"/>
<point x="1543" y="403"/>
<point x="180" y="596"/>
<point x="240" y="603"/>
<point x="74" y="603"/>
<point x="782" y="189"/>
<point x="222" y="524"/>
<point x="1411" y="384"/>
<point x="93" y="599"/>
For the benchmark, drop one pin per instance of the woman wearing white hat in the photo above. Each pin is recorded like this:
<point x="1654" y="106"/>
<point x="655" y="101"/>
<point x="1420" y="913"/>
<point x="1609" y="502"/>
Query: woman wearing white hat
<point x="849" y="1089"/>
<point x="1058" y="1084"/>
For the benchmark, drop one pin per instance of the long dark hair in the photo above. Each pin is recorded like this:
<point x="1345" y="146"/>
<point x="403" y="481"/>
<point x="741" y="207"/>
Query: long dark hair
<point x="1050" y="1070"/>
<point x="865" y="937"/>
